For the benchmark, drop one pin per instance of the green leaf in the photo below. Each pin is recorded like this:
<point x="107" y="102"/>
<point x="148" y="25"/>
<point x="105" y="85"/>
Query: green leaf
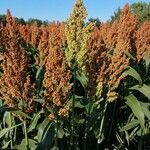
<point x="78" y="103"/>
<point x="145" y="109"/>
<point x="4" y="108"/>
<point x="34" y="121"/>
<point x="130" y="125"/>
<point x="39" y="100"/>
<point x="7" y="118"/>
<point x="4" y="131"/>
<point x="129" y="55"/>
<point x="145" y="89"/>
<point x="1" y="103"/>
<point x="61" y="132"/>
<point x="42" y="128"/>
<point x="147" y="60"/>
<point x="83" y="79"/>
<point x="84" y="101"/>
<point x="132" y="72"/>
<point x="39" y="78"/>
<point x="48" y="137"/>
<point x="22" y="146"/>
<point x="20" y="113"/>
<point x="135" y="106"/>
<point x="38" y="73"/>
<point x="32" y="145"/>
<point x="54" y="148"/>
<point x="6" y="145"/>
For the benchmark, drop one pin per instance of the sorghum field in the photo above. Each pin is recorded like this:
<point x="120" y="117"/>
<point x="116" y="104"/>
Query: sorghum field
<point x="74" y="85"/>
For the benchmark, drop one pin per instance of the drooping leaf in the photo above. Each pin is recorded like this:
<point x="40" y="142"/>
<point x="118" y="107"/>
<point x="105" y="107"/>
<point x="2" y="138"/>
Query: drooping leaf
<point x="39" y="78"/>
<point x="32" y="145"/>
<point x="61" y="132"/>
<point x="144" y="89"/>
<point x="132" y="72"/>
<point x="129" y="55"/>
<point x="6" y="145"/>
<point x="130" y="125"/>
<point x="38" y="73"/>
<point x="22" y="146"/>
<point x="147" y="60"/>
<point x="42" y="128"/>
<point x="7" y="119"/>
<point x="48" y="137"/>
<point x="145" y="109"/>
<point x="4" y="131"/>
<point x="34" y="121"/>
<point x="135" y="106"/>
<point x="20" y="113"/>
<point x="4" y="108"/>
<point x="1" y="103"/>
<point x="78" y="103"/>
<point x="83" y="79"/>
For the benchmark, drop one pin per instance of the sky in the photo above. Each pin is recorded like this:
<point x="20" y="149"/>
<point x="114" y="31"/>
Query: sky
<point x="59" y="10"/>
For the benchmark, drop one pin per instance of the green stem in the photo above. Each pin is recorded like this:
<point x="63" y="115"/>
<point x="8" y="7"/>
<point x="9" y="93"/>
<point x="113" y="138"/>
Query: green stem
<point x="56" y="133"/>
<point x="25" y="132"/>
<point x="141" y="141"/>
<point x="73" y="105"/>
<point x="109" y="134"/>
<point x="86" y="130"/>
<point x="100" y="136"/>
<point x="11" y="131"/>
<point x="85" y="137"/>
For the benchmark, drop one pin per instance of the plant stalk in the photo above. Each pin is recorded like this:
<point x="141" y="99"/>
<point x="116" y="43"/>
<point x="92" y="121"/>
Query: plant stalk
<point x="73" y="105"/>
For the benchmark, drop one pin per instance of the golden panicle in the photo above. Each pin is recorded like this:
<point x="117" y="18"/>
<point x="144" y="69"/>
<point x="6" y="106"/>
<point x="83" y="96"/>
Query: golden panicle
<point x="98" y="62"/>
<point x="56" y="34"/>
<point x="11" y="24"/>
<point x="43" y="47"/>
<point x="35" y="34"/>
<point x="57" y="75"/>
<point x="53" y="34"/>
<point x="25" y="33"/>
<point x="104" y="29"/>
<point x="126" y="31"/>
<point x="111" y="36"/>
<point x="112" y="96"/>
<point x="126" y="35"/>
<point x="94" y="45"/>
<point x="64" y="112"/>
<point x="56" y="79"/>
<point x="28" y="94"/>
<point x="9" y="18"/>
<point x="51" y="117"/>
<point x="143" y="40"/>
<point x="14" y="66"/>
<point x="1" y="36"/>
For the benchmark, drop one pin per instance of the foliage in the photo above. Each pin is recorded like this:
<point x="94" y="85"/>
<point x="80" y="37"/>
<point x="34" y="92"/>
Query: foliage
<point x="140" y="9"/>
<point x="39" y="22"/>
<point x="116" y="15"/>
<point x="95" y="20"/>
<point x="30" y="21"/>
